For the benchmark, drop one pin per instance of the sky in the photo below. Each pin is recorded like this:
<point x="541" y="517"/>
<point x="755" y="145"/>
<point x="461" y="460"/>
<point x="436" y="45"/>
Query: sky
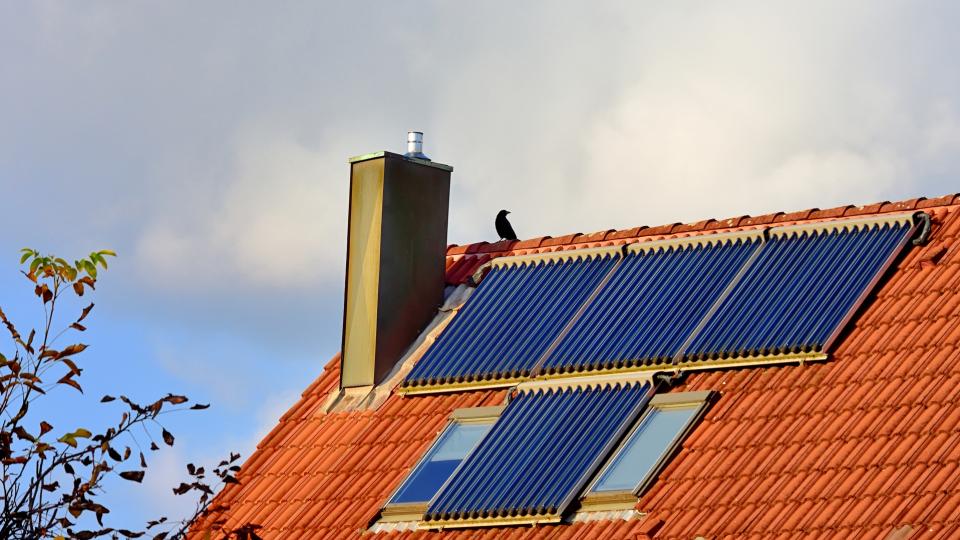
<point x="207" y="144"/>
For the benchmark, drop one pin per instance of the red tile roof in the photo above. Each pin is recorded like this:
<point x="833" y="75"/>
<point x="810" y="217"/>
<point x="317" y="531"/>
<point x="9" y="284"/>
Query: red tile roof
<point x="855" y="447"/>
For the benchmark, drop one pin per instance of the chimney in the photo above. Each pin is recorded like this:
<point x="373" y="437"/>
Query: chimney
<point x="396" y="249"/>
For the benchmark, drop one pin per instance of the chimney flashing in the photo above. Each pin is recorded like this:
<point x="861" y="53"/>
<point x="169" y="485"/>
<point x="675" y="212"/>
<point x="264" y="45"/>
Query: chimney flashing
<point x="384" y="153"/>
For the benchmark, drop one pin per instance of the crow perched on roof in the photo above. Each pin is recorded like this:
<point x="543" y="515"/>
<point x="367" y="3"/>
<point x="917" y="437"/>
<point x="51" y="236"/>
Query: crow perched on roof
<point x="504" y="229"/>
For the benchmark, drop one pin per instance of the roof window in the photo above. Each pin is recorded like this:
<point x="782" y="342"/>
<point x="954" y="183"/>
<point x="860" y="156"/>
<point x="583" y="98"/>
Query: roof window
<point x="647" y="448"/>
<point x="467" y="427"/>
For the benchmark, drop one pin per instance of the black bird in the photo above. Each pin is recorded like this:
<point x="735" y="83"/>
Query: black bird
<point x="504" y="229"/>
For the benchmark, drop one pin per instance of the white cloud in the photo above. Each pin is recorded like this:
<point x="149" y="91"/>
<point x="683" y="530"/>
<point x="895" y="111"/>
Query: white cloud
<point x="746" y="110"/>
<point x="279" y="222"/>
<point x="591" y="118"/>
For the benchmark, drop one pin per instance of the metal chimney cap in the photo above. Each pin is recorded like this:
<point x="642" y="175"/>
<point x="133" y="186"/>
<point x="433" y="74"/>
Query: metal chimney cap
<point x="415" y="145"/>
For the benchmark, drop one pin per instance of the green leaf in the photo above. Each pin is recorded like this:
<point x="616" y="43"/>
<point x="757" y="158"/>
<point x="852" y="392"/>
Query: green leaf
<point x="35" y="264"/>
<point x="24" y="258"/>
<point x="68" y="439"/>
<point x="90" y="268"/>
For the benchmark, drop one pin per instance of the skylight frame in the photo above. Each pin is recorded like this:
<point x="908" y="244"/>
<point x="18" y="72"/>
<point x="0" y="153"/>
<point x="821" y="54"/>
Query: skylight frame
<point x="413" y="511"/>
<point x="624" y="499"/>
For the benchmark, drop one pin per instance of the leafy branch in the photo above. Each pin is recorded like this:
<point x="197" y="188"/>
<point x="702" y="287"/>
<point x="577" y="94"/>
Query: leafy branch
<point x="52" y="480"/>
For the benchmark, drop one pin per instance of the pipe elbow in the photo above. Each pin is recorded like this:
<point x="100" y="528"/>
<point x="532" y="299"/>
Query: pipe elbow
<point x="923" y="223"/>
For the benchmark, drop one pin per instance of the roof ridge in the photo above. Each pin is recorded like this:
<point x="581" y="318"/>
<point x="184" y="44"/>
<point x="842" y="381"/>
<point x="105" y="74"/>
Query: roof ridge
<point x="850" y="210"/>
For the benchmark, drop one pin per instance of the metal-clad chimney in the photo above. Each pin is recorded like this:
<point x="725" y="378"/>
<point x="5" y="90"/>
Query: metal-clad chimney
<point x="396" y="249"/>
<point x="415" y="145"/>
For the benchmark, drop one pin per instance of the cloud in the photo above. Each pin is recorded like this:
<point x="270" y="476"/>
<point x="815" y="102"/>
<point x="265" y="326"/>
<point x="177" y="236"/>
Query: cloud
<point x="279" y="222"/>
<point x="583" y="118"/>
<point x="752" y="110"/>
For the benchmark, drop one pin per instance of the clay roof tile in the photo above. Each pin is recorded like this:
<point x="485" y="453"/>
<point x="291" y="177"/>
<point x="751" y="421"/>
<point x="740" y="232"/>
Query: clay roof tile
<point x="936" y="201"/>
<point x="559" y="240"/>
<point x="625" y="233"/>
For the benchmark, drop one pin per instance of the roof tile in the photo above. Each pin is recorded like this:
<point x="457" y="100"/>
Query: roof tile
<point x="502" y="245"/>
<point x="760" y="220"/>
<point x="830" y="212"/>
<point x="866" y="209"/>
<point x="901" y="206"/>
<point x="625" y="233"/>
<point x="794" y="216"/>
<point x="559" y="240"/>
<point x="923" y="202"/>
<point x="659" y="231"/>
<point x="531" y="243"/>
<point x="692" y="227"/>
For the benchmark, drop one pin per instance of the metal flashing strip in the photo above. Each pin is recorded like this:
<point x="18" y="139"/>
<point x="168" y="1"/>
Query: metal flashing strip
<point x="588" y="381"/>
<point x="556" y="256"/>
<point x="440" y="388"/>
<point x="468" y="414"/>
<point x="844" y="224"/>
<point x="752" y="360"/>
<point x="684" y="365"/>
<point x="697" y="240"/>
<point x="642" y="371"/>
<point x="545" y="519"/>
<point x="615" y="512"/>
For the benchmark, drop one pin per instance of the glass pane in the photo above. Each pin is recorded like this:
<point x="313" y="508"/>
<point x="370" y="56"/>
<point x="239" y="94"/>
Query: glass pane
<point x="440" y="462"/>
<point x="651" y="439"/>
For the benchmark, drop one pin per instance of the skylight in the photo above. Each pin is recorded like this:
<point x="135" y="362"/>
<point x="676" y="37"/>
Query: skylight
<point x="461" y="436"/>
<point x="646" y="449"/>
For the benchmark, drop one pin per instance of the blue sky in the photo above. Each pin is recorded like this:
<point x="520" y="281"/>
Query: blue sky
<point x="207" y="145"/>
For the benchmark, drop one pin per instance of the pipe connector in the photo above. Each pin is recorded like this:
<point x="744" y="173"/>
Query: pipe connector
<point x="415" y="145"/>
